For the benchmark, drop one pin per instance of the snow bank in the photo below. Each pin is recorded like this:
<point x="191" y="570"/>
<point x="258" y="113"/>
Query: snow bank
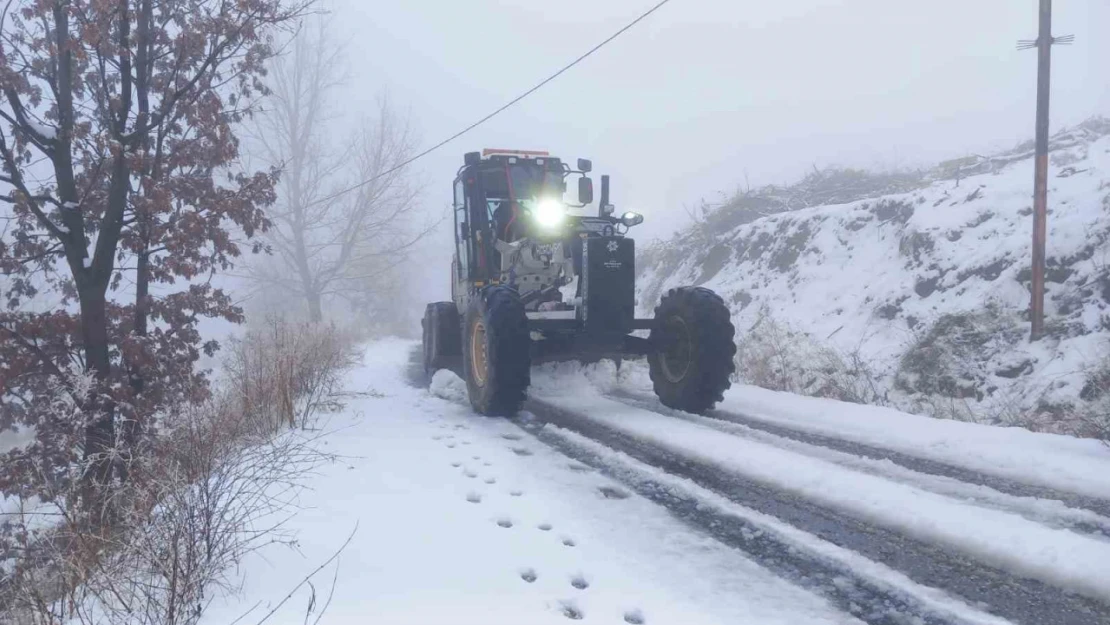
<point x="446" y="385"/>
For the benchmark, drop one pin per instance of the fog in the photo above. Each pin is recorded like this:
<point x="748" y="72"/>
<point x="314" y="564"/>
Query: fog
<point x="700" y="99"/>
<point x="705" y="96"/>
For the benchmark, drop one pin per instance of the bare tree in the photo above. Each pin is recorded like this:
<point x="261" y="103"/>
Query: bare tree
<point x="327" y="242"/>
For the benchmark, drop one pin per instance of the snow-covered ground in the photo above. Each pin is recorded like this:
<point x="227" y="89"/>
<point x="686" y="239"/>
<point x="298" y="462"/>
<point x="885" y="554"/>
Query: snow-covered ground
<point x="462" y="519"/>
<point x="1056" y="556"/>
<point x="456" y="518"/>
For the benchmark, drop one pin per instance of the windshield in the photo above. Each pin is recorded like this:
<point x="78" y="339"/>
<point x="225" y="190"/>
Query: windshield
<point x="530" y="182"/>
<point x="526" y="183"/>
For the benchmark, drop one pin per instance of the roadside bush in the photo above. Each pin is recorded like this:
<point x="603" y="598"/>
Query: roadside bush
<point x="210" y="494"/>
<point x="283" y="373"/>
<point x="951" y="357"/>
<point x="1093" y="415"/>
<point x="773" y="356"/>
<point x="214" y="482"/>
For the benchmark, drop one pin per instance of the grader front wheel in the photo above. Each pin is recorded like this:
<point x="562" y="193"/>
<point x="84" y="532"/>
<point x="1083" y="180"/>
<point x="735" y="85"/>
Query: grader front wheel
<point x="496" y="355"/>
<point x="691" y="361"/>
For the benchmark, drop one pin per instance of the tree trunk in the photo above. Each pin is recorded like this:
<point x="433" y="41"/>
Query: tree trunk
<point x="132" y="426"/>
<point x="315" y="307"/>
<point x="100" y="429"/>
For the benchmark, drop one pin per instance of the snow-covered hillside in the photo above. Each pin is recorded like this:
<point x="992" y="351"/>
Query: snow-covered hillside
<point x="915" y="291"/>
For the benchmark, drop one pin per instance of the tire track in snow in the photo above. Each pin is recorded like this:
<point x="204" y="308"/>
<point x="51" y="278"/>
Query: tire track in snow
<point x="918" y="464"/>
<point x="868" y="599"/>
<point x="1052" y="512"/>
<point x="1018" y="599"/>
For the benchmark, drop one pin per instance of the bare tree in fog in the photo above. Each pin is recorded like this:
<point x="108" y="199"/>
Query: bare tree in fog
<point x="328" y="248"/>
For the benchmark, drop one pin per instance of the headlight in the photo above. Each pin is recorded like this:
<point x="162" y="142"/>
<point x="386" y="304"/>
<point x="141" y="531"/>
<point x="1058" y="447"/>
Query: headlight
<point x="630" y="219"/>
<point x="549" y="213"/>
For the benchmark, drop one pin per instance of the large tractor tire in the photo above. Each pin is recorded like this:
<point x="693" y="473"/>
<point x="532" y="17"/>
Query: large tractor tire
<point x="497" y="360"/>
<point x="442" y="337"/>
<point x="691" y="361"/>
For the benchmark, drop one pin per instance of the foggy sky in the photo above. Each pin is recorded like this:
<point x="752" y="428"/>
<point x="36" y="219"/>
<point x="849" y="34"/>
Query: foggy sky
<point x="707" y="94"/>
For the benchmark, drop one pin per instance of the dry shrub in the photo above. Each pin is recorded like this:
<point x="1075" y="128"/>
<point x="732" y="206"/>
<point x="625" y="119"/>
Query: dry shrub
<point x="952" y="358"/>
<point x="774" y="356"/>
<point x="285" y="372"/>
<point x="1093" y="414"/>
<point x="214" y="483"/>
<point x="211" y="492"/>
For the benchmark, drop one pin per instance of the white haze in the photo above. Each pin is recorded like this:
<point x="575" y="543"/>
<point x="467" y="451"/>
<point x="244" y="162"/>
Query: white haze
<point x="707" y="96"/>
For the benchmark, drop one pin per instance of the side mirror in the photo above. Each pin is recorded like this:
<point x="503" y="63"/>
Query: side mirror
<point x="585" y="190"/>
<point x="472" y="158"/>
<point x="585" y="165"/>
<point x="464" y="231"/>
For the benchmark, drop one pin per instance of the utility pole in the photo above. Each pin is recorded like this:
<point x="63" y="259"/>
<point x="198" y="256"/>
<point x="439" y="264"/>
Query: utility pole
<point x="1043" y="44"/>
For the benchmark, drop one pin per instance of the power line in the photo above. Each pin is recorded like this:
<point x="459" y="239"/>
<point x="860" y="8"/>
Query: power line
<point x="496" y="112"/>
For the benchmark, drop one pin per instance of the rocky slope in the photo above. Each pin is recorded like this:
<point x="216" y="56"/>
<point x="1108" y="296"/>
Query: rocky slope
<point x="912" y="289"/>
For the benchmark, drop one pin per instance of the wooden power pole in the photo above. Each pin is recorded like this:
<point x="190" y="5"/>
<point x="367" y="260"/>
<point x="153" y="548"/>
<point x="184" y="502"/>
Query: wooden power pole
<point x="1040" y="170"/>
<point x="1043" y="44"/>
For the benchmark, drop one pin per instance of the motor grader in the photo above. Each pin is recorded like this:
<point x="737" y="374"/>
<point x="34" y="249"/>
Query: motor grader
<point x="531" y="282"/>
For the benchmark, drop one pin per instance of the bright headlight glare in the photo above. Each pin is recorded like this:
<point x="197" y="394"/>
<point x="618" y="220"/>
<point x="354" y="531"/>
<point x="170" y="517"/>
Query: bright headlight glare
<point x="549" y="213"/>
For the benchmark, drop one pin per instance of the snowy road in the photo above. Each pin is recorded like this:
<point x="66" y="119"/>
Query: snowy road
<point x="1058" y="508"/>
<point x="598" y="504"/>
<point x="934" y="540"/>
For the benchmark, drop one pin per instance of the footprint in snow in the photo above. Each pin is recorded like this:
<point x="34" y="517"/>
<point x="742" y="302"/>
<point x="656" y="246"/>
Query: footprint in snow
<point x="611" y="492"/>
<point x="546" y="527"/>
<point x="581" y="468"/>
<point x="636" y="617"/>
<point x="436" y="437"/>
<point x="516" y="493"/>
<point x="522" y="451"/>
<point x="504" y="522"/>
<point x="528" y="575"/>
<point x="460" y="426"/>
<point x="491" y="480"/>
<point x="476" y="457"/>
<point x="470" y="473"/>
<point x="456" y="464"/>
<point x="569" y="542"/>
<point x="473" y="497"/>
<point x="571" y="610"/>
<point x="487" y="464"/>
<point x="579" y="582"/>
<point x="450" y="445"/>
<point x="466" y="442"/>
<point x="510" y="436"/>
